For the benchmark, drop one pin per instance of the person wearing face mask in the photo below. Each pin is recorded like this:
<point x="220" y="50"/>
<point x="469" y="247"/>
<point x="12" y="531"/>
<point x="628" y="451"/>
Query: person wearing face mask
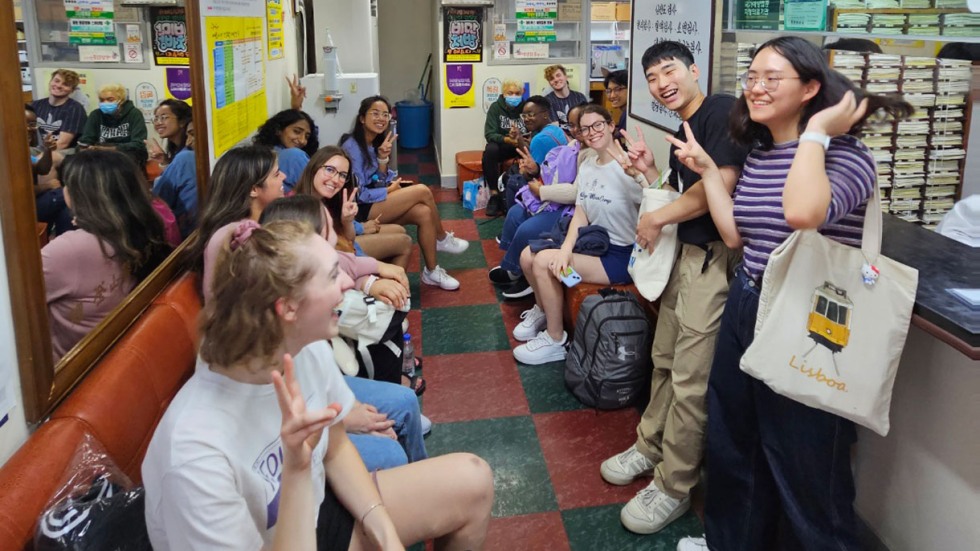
<point x="502" y="130"/>
<point x="117" y="124"/>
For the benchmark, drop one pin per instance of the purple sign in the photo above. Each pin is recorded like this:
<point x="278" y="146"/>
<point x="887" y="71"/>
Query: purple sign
<point x="179" y="82"/>
<point x="460" y="78"/>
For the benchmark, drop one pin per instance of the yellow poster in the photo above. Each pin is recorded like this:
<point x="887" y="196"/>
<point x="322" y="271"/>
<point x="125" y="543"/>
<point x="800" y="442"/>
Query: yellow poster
<point x="457" y="87"/>
<point x="274" y="18"/>
<point x="237" y="74"/>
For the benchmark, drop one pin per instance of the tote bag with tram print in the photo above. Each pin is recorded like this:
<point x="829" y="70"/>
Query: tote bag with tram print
<point x="832" y="323"/>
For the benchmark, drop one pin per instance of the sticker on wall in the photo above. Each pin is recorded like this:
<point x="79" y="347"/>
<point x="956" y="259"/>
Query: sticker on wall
<point x="146" y="99"/>
<point x="179" y="83"/>
<point x="133" y="53"/>
<point x="98" y="54"/>
<point x="168" y="33"/>
<point x="275" y="33"/>
<point x="501" y="50"/>
<point x="458" y="87"/>
<point x="491" y="91"/>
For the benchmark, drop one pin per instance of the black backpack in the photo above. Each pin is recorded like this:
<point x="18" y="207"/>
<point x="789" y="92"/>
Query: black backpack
<point x="608" y="365"/>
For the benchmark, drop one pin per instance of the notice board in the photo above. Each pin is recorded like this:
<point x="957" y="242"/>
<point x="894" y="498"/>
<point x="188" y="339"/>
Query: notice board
<point x="690" y="22"/>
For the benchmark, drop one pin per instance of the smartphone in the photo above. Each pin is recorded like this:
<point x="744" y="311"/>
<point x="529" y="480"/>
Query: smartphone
<point x="570" y="277"/>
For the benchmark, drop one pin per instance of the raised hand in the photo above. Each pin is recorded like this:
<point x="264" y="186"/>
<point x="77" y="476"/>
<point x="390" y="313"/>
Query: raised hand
<point x="622" y="158"/>
<point x="384" y="150"/>
<point x="839" y="118"/>
<point x="301" y="429"/>
<point x="372" y="226"/>
<point x="691" y="153"/>
<point x="639" y="152"/>
<point x="526" y="162"/>
<point x="153" y="149"/>
<point x="349" y="207"/>
<point x="50" y="142"/>
<point x="297" y="92"/>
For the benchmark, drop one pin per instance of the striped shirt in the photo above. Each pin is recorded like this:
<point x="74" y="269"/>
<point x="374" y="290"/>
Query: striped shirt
<point x="759" y="197"/>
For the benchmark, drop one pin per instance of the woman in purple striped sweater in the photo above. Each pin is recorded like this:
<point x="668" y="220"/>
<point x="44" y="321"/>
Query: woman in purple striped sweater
<point x="772" y="461"/>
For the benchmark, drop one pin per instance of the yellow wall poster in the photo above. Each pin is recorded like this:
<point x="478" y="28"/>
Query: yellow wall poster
<point x="274" y="19"/>
<point x="458" y="86"/>
<point x="237" y="74"/>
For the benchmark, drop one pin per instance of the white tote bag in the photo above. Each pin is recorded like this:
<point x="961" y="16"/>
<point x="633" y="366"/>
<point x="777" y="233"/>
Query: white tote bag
<point x="651" y="271"/>
<point x="832" y="323"/>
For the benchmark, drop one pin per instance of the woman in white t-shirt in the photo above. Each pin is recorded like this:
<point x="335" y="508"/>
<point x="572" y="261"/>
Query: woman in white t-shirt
<point x="216" y="474"/>
<point x="607" y="196"/>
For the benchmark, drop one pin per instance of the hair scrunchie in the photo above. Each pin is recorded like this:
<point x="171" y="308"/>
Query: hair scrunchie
<point x="243" y="232"/>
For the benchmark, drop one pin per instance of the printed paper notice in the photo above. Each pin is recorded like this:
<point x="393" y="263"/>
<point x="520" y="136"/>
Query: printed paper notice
<point x="458" y="87"/>
<point x="237" y="78"/>
<point x="276" y="36"/>
<point x="531" y="51"/>
<point x="90" y="22"/>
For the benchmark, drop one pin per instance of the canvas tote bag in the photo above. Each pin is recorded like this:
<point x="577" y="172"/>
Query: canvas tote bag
<point x="650" y="271"/>
<point x="831" y="329"/>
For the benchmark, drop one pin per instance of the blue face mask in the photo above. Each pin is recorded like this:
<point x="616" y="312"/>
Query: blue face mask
<point x="513" y="101"/>
<point x="108" y="107"/>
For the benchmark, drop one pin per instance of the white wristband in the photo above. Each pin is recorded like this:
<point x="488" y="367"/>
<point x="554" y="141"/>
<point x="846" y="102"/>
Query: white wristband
<point x="821" y="139"/>
<point x="384" y="161"/>
<point x="367" y="284"/>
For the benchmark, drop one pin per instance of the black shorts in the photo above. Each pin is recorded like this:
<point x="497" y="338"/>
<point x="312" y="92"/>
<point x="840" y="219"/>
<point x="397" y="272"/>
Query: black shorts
<point x="334" y="524"/>
<point x="363" y="210"/>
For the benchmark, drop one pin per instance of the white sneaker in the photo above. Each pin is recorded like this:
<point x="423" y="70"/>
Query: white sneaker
<point x="650" y="510"/>
<point x="439" y="278"/>
<point x="542" y="349"/>
<point x="692" y="544"/>
<point x="426" y="424"/>
<point x="534" y="322"/>
<point x="625" y="467"/>
<point x="451" y="244"/>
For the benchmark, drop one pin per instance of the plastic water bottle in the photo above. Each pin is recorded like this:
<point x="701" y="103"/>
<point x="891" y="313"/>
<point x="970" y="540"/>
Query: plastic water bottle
<point x="408" y="356"/>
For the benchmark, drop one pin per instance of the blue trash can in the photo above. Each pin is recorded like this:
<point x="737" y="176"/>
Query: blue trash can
<point x="414" y="124"/>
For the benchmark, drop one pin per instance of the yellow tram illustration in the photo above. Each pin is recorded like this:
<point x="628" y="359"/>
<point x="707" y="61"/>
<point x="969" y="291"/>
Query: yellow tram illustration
<point x="829" y="322"/>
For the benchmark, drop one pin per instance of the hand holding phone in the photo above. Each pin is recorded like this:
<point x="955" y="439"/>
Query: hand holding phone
<point x="570" y="277"/>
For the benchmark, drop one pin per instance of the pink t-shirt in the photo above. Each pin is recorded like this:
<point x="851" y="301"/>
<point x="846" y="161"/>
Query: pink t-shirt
<point x="82" y="286"/>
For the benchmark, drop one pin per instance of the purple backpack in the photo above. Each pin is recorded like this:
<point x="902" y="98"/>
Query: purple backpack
<point x="560" y="166"/>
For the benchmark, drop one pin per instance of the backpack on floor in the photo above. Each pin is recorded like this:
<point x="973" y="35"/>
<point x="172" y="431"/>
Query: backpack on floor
<point x="608" y="365"/>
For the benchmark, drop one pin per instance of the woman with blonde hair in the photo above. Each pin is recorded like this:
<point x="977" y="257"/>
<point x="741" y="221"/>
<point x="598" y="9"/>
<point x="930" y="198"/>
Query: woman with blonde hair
<point x="117" y="124"/>
<point x="214" y="473"/>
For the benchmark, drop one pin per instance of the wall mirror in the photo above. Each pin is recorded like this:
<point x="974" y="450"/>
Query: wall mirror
<point x="44" y="381"/>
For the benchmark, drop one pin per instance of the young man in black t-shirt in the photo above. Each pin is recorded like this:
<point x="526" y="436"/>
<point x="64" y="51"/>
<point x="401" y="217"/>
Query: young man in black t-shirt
<point x="561" y="98"/>
<point x="670" y="442"/>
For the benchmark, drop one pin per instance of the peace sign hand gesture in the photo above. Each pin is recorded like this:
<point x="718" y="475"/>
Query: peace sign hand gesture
<point x="691" y="153"/>
<point x="638" y="151"/>
<point x="526" y="162"/>
<point x="384" y="150"/>
<point x="348" y="210"/>
<point x="622" y="158"/>
<point x="297" y="92"/>
<point x="301" y="429"/>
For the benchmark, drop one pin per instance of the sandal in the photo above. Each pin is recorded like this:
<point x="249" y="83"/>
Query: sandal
<point x="415" y="382"/>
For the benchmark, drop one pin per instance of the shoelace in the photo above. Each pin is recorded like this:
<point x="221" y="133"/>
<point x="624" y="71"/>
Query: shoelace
<point x="634" y="459"/>
<point x="540" y="341"/>
<point x="450" y="237"/>
<point x="655" y="499"/>
<point x="527" y="313"/>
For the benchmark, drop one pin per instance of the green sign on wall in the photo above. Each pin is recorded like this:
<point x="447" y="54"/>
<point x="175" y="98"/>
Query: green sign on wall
<point x="757" y="14"/>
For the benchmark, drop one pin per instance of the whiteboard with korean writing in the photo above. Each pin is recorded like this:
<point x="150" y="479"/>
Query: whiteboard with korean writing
<point x="690" y="22"/>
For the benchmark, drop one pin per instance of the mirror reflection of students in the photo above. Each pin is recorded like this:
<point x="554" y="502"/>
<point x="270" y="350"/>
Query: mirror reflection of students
<point x="177" y="186"/>
<point x="49" y="198"/>
<point x="116" y="125"/>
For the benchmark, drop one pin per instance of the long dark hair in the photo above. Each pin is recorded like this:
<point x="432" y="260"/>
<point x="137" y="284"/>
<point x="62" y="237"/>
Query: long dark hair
<point x="811" y="64"/>
<point x="184" y="115"/>
<point x="235" y="174"/>
<point x="108" y="201"/>
<point x="269" y="133"/>
<point x="334" y="204"/>
<point x="358" y="131"/>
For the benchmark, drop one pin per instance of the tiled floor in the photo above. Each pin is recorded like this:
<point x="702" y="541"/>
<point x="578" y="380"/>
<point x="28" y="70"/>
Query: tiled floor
<point x="543" y="445"/>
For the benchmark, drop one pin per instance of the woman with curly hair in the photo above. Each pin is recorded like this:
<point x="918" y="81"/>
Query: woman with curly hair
<point x="291" y="133"/>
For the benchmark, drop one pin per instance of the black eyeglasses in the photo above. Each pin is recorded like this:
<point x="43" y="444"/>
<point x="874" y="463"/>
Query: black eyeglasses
<point x="769" y="83"/>
<point x="333" y="172"/>
<point x="615" y="90"/>
<point x="585" y="130"/>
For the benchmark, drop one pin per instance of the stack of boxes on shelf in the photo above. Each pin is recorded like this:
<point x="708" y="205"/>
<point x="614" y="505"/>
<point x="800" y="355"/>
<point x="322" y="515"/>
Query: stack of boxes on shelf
<point x="911" y="17"/>
<point x="920" y="160"/>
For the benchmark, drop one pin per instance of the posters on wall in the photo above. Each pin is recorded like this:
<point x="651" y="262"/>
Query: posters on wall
<point x="178" y="82"/>
<point x="805" y="15"/>
<point x="536" y="20"/>
<point x="145" y="97"/>
<point x="91" y="22"/>
<point x="237" y="77"/>
<point x="274" y="18"/>
<point x="458" y="86"/>
<point x="492" y="88"/>
<point x="757" y="14"/>
<point x="462" y="35"/>
<point x="168" y="30"/>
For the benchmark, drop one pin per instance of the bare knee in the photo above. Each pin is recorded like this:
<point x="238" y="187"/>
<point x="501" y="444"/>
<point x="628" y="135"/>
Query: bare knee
<point x="419" y="214"/>
<point x="476" y="478"/>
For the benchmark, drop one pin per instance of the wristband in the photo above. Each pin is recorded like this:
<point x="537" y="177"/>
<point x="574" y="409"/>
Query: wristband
<point x="384" y="161"/>
<point x="821" y="139"/>
<point x="367" y="284"/>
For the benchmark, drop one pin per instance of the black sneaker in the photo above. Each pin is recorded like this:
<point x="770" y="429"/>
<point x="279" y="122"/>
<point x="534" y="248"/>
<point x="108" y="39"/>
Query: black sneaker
<point x="519" y="289"/>
<point x="495" y="206"/>
<point x="500" y="276"/>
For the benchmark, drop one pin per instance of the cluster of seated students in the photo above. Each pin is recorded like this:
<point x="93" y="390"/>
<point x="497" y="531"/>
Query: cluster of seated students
<point x="288" y="227"/>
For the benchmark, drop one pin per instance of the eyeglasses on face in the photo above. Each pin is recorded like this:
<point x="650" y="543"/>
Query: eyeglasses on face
<point x="332" y="172"/>
<point x="769" y="83"/>
<point x="162" y="118"/>
<point x="530" y="115"/>
<point x="615" y="90"/>
<point x="599" y="126"/>
<point x="379" y="114"/>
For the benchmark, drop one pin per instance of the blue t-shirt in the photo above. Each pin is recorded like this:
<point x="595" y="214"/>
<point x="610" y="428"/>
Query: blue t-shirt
<point x="292" y="162"/>
<point x="548" y="138"/>
<point x="177" y="186"/>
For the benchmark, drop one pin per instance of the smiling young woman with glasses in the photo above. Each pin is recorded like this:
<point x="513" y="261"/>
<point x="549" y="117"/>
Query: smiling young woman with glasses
<point x="170" y="120"/>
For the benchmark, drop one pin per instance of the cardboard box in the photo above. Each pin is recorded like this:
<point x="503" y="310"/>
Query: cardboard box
<point x="622" y="12"/>
<point x="570" y="11"/>
<point x="603" y="11"/>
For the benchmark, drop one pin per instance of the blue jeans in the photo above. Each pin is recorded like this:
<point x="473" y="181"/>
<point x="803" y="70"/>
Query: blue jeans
<point x="774" y="465"/>
<point x="519" y="228"/>
<point x="401" y="405"/>
<point x="52" y="209"/>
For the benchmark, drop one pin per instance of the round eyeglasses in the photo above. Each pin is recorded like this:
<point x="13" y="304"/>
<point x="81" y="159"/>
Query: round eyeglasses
<point x="769" y="83"/>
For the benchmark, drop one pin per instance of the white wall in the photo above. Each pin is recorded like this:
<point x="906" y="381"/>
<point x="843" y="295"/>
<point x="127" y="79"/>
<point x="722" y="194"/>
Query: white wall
<point x="14" y="432"/>
<point x="919" y="487"/>
<point x="404" y="29"/>
<point x="352" y="30"/>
